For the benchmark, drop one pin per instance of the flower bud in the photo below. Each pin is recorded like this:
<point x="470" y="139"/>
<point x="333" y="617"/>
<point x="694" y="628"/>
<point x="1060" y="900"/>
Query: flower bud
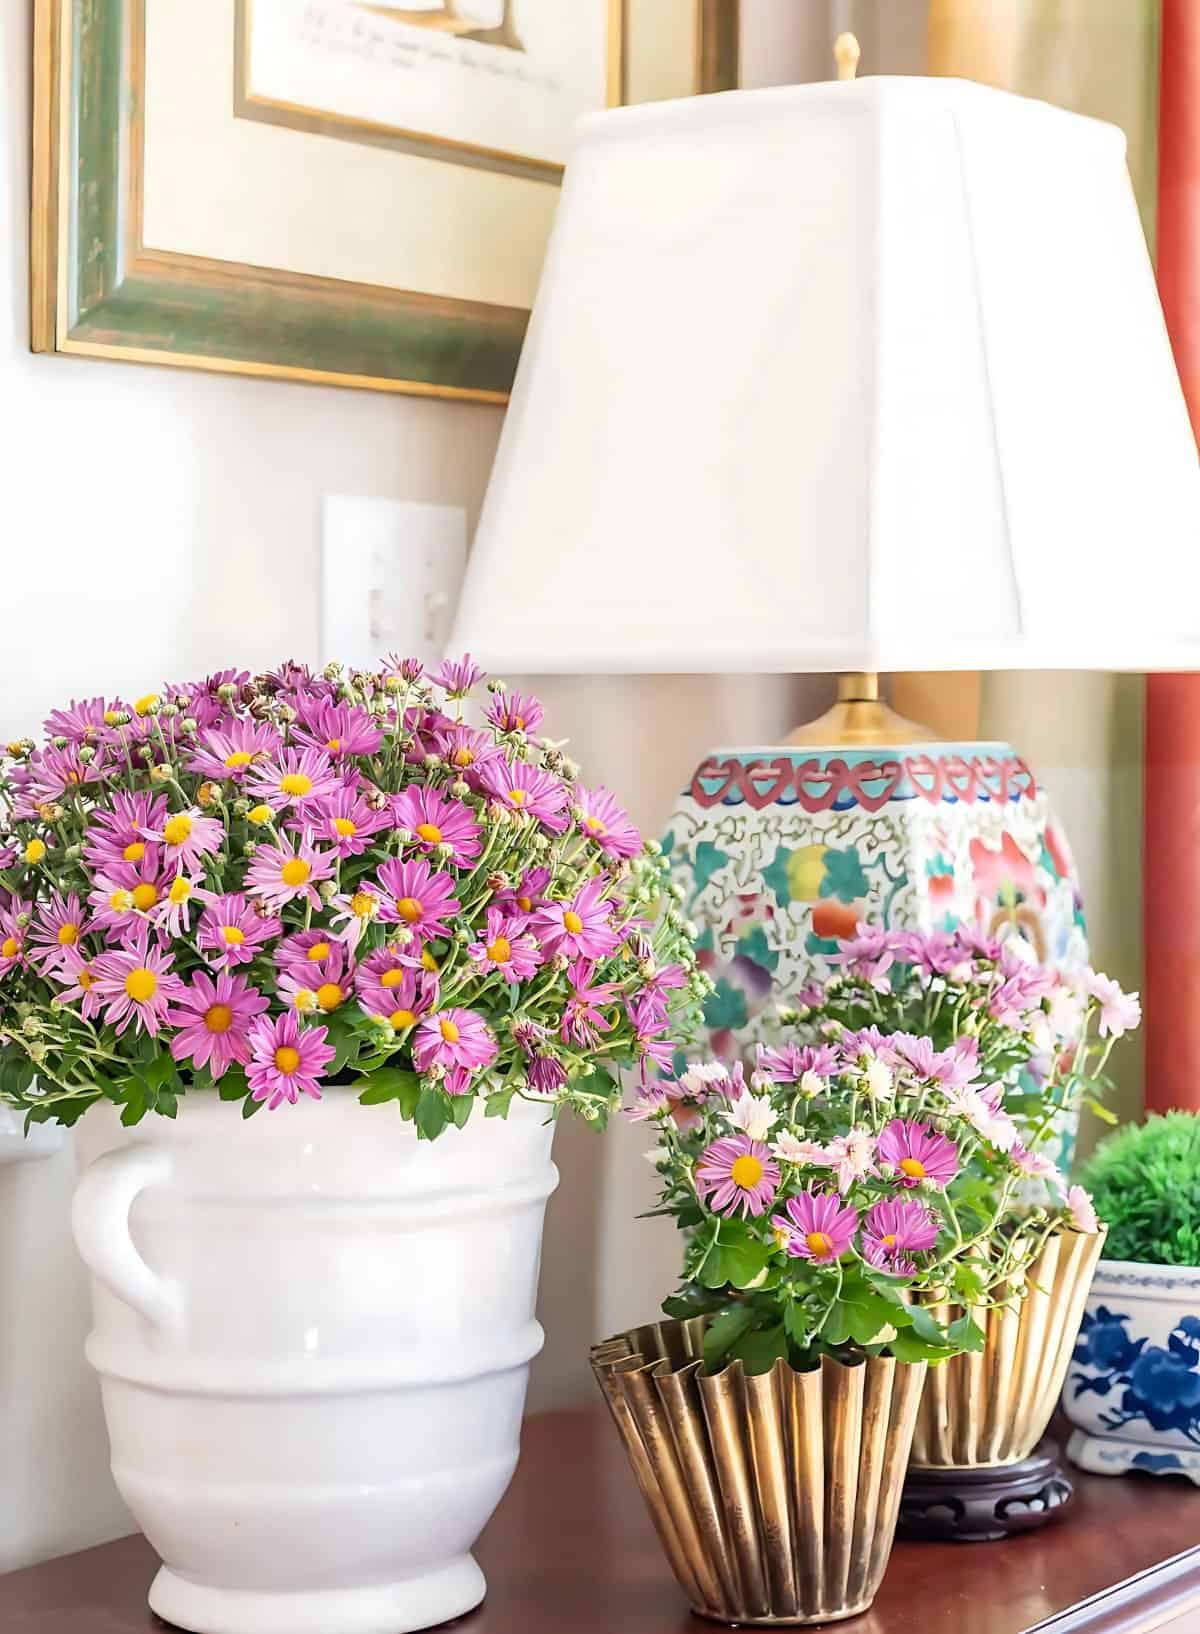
<point x="249" y="848"/>
<point x="87" y="754"/>
<point x="227" y="692"/>
<point x="60" y="742"/>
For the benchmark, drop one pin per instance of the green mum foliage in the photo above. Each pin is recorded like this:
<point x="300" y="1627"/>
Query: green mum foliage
<point x="1145" y="1182"/>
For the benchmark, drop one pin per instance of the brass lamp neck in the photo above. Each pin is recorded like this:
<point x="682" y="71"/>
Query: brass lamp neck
<point x="860" y="719"/>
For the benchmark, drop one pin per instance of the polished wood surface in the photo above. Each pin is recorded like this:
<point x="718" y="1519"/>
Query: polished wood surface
<point x="572" y="1552"/>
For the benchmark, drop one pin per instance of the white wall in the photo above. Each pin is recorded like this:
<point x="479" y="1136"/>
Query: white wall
<point x="155" y="523"/>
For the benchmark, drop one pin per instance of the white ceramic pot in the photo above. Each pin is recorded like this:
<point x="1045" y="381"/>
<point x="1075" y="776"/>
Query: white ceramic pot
<point x="1133" y="1387"/>
<point x="313" y="1335"/>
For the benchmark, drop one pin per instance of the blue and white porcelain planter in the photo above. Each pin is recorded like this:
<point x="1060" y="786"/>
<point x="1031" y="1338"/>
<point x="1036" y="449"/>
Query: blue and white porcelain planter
<point x="1133" y="1387"/>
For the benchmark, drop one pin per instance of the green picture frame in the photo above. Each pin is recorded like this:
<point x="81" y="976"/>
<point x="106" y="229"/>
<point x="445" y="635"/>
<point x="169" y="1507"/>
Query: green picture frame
<point x="98" y="290"/>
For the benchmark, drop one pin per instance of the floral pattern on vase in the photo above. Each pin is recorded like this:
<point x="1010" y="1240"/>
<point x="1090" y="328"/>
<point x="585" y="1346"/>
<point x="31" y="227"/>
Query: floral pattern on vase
<point x="1133" y="1391"/>
<point x="782" y="851"/>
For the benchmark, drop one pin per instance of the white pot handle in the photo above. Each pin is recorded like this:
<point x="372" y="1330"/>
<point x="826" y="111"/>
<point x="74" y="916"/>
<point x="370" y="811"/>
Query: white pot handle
<point x="104" y="1196"/>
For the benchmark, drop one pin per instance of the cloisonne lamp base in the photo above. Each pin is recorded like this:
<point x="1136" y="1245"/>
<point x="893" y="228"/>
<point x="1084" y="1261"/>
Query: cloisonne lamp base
<point x="860" y="816"/>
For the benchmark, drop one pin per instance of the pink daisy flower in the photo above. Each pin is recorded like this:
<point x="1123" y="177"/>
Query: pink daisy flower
<point x="12" y="935"/>
<point x="187" y="837"/>
<point x="1120" y="1012"/>
<point x="172" y="914"/>
<point x="57" y="925"/>
<point x="851" y="1157"/>
<point x="817" y="1226"/>
<point x="917" y="1153"/>
<point x="603" y="820"/>
<point x="345" y="822"/>
<point x="790" y="1063"/>
<point x="546" y="1074"/>
<point x="232" y="749"/>
<point x="122" y="894"/>
<point x="323" y="986"/>
<point x="515" y="712"/>
<point x="580" y="928"/>
<point x="351" y="913"/>
<point x="286" y="1060"/>
<point x="1034" y="1164"/>
<point x="80" y="722"/>
<point x="507" y="947"/>
<point x="77" y="976"/>
<point x="414" y="895"/>
<point x="399" y="993"/>
<point x="214" y="1015"/>
<point x="118" y="835"/>
<point x="232" y="932"/>
<point x="736" y="1174"/>
<point x="582" y="1020"/>
<point x="284" y="873"/>
<point x="458" y="675"/>
<point x="337" y="729"/>
<point x="527" y="895"/>
<point x="434" y="820"/>
<point x="453" y="1038"/>
<point x="894" y="1230"/>
<point x="137" y="984"/>
<point x="55" y="771"/>
<point x="299" y="778"/>
<point x="466" y="749"/>
<point x="1082" y="1210"/>
<point x="308" y="954"/>
<point x="529" y="790"/>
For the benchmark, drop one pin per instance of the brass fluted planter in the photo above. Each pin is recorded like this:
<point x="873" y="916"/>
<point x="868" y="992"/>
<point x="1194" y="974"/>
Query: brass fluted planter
<point x="774" y="1496"/>
<point x="991" y="1408"/>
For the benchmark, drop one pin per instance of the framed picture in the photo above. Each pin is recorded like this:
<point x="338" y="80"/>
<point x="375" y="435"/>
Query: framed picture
<point x="350" y="191"/>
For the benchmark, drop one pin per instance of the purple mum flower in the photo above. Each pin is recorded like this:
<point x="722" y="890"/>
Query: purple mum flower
<point x="136" y="984"/>
<point x="817" y="1226"/>
<point x="528" y="790"/>
<point x="286" y="1060"/>
<point x="214" y="1017"/>
<point x="580" y="928"/>
<point x="736" y="1174"/>
<point x="415" y="895"/>
<point x="453" y="1038"/>
<point x="606" y="822"/>
<point x="895" y="1229"/>
<point x="433" y="820"/>
<point x="918" y="1153"/>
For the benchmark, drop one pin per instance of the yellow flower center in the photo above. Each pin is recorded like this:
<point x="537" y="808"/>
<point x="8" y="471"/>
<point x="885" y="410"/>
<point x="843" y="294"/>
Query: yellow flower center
<point x="428" y="962"/>
<point x="238" y="759"/>
<point x="258" y="815"/>
<point x="120" y="902"/>
<point x="86" y="980"/>
<point x="177" y="829"/>
<point x="318" y="951"/>
<point x="889" y="1241"/>
<point x="746" y="1171"/>
<point x="287" y="1059"/>
<point x="518" y="796"/>
<point x="391" y="978"/>
<point x="449" y="1031"/>
<point x="305" y="1000"/>
<point x="525" y="903"/>
<point x="141" y="985"/>
<point x="10" y="947"/>
<point x="35" y="851"/>
<point x="295" y="783"/>
<point x="572" y="922"/>
<point x="145" y="703"/>
<point x="134" y="851"/>
<point x="180" y="891"/>
<point x="519" y="722"/>
<point x="68" y="935"/>
<point x="232" y="935"/>
<point x="912" y="1167"/>
<point x="329" y="995"/>
<point x="409" y="908"/>
<point x="430" y="833"/>
<point x="295" y="871"/>
<point x="333" y="745"/>
<point x="819" y="1242"/>
<point x="111" y="717"/>
<point x="344" y="827"/>
<point x="462" y="757"/>
<point x="218" y="1018"/>
<point x="500" y="951"/>
<point x="363" y="904"/>
<point x="595" y="826"/>
<point x="401" y="1019"/>
<point x="145" y="895"/>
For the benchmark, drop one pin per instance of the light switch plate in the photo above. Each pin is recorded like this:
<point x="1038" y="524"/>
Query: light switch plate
<point x="391" y="571"/>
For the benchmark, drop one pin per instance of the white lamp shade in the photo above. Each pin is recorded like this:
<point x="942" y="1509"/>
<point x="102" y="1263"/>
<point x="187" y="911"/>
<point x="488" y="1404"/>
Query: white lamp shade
<point x="843" y="376"/>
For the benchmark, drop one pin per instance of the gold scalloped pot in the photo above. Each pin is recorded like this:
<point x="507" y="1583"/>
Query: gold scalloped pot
<point x="774" y="1496"/>
<point x="992" y="1407"/>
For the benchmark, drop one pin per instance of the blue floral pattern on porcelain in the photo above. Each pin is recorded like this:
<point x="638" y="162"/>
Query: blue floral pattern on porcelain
<point x="1133" y="1392"/>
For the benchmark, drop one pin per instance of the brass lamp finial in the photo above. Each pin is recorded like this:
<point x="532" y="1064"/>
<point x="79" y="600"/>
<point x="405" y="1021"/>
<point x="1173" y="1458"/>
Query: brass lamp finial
<point x="846" y="52"/>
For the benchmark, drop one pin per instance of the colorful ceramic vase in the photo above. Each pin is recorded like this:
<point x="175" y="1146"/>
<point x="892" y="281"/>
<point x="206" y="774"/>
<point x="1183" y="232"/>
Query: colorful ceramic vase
<point x="782" y="851"/>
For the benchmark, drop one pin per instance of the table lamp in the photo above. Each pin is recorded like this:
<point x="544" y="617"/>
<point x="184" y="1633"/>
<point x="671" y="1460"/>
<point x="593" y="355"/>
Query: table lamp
<point x="851" y="377"/>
